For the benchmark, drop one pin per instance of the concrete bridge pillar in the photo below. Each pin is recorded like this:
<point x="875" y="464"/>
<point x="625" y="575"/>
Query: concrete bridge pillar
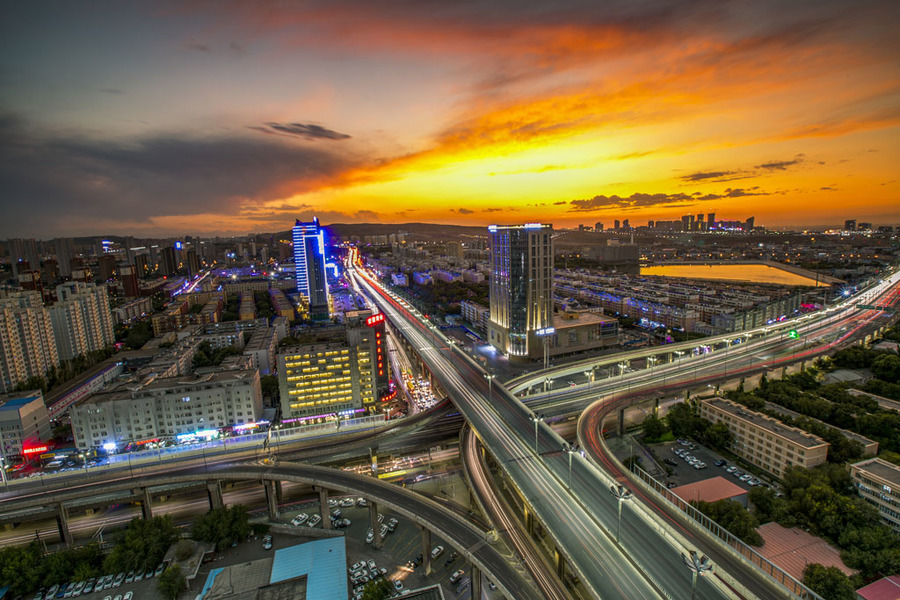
<point x="476" y="582"/>
<point x="62" y="523"/>
<point x="279" y="492"/>
<point x="376" y="526"/>
<point x="621" y="421"/>
<point x="529" y="522"/>
<point x="214" y="491"/>
<point x="656" y="407"/>
<point x="324" y="508"/>
<point x="271" y="499"/>
<point x="560" y="565"/>
<point x="146" y="504"/>
<point x="426" y="550"/>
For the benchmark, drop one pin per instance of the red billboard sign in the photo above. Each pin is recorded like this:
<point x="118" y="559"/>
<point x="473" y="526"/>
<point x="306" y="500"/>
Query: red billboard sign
<point x="375" y="320"/>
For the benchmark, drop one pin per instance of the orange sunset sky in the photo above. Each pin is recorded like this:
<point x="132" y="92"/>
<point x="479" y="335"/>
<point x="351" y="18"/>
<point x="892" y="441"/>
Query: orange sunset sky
<point x="208" y="117"/>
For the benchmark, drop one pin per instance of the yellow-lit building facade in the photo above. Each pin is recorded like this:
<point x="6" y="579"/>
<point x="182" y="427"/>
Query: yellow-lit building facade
<point x="320" y="380"/>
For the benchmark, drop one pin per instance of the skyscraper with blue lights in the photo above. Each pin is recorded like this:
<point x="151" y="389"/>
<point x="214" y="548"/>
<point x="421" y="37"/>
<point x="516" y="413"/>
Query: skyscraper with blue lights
<point x="309" y="257"/>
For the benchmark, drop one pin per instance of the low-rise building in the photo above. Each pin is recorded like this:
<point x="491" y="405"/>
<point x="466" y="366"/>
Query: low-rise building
<point x="167" y="407"/>
<point x="24" y="425"/>
<point x="878" y="482"/>
<point x="764" y="441"/>
<point x="133" y="310"/>
<point x="476" y="314"/>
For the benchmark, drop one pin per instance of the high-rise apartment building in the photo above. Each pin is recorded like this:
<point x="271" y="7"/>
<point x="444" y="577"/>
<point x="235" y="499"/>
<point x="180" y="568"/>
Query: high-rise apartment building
<point x="23" y="251"/>
<point x="107" y="266"/>
<point x="521" y="287"/>
<point x="309" y="259"/>
<point x="128" y="277"/>
<point x="849" y="225"/>
<point x="168" y="262"/>
<point x="65" y="252"/>
<point x="27" y="348"/>
<point x="193" y="262"/>
<point x="82" y="320"/>
<point x="142" y="269"/>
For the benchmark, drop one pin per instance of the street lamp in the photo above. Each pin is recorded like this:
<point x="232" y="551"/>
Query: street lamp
<point x="622" y="366"/>
<point x="490" y="378"/>
<point x="590" y="377"/>
<point x="535" y="418"/>
<point x="621" y="494"/>
<point x="699" y="565"/>
<point x="570" y="449"/>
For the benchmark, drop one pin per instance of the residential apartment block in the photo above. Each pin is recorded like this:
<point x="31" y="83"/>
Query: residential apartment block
<point x="878" y="482"/>
<point x="764" y="441"/>
<point x="82" y="320"/>
<point x="167" y="408"/>
<point x="27" y="346"/>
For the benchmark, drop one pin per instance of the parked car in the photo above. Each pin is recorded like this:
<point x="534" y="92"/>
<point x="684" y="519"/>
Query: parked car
<point x="436" y="551"/>
<point x="457" y="575"/>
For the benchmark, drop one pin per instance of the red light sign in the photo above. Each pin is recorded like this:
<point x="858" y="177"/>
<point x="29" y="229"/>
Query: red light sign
<point x="35" y="450"/>
<point x="375" y="320"/>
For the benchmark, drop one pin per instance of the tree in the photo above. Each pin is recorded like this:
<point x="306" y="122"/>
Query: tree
<point x="765" y="503"/>
<point x="270" y="389"/>
<point x="887" y="368"/>
<point x="143" y="546"/>
<point x="223" y="526"/>
<point x="171" y="582"/>
<point x="733" y="517"/>
<point x="654" y="428"/>
<point x="828" y="582"/>
<point x="681" y="420"/>
<point x="378" y="590"/>
<point x="719" y="436"/>
<point x="20" y="568"/>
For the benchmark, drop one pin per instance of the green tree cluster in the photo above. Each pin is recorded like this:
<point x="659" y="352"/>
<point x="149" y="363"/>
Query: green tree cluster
<point x="828" y="582"/>
<point x="25" y="569"/>
<point x="269" y="386"/>
<point x="824" y="502"/>
<point x="733" y="517"/>
<point x="143" y="546"/>
<point x="378" y="589"/>
<point x="171" y="583"/>
<point x="223" y="526"/>
<point x="683" y="422"/>
<point x="654" y="428"/>
<point x="206" y="356"/>
<point x="263" y="306"/>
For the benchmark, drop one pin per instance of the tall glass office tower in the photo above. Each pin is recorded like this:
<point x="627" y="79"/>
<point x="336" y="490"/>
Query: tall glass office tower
<point x="309" y="257"/>
<point x="521" y="287"/>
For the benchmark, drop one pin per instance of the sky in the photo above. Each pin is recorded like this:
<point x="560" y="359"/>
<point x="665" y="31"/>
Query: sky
<point x="193" y="117"/>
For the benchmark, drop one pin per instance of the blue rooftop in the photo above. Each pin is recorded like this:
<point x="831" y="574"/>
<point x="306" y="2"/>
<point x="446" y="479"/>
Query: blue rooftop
<point x="324" y="562"/>
<point x="209" y="580"/>
<point x="17" y="402"/>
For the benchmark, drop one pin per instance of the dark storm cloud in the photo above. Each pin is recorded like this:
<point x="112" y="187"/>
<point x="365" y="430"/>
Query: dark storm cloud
<point x="638" y="200"/>
<point x="713" y="176"/>
<point x="48" y="181"/>
<point x="633" y="201"/>
<point x="779" y="165"/>
<point x="309" y="131"/>
<point x="464" y="211"/>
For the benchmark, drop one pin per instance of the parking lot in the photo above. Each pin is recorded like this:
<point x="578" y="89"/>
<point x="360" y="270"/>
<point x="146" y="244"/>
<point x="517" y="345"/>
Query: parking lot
<point x="684" y="473"/>
<point x="399" y="548"/>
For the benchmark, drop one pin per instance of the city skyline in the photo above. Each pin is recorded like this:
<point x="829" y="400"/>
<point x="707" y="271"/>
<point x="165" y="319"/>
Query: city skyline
<point x="156" y="120"/>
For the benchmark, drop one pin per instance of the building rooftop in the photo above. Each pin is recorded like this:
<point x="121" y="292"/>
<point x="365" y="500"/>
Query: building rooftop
<point x="580" y="319"/>
<point x="881" y="469"/>
<point x="886" y="588"/>
<point x="798" y="436"/>
<point x="16" y="401"/>
<point x="793" y="549"/>
<point x="315" y="570"/>
<point x="708" y="490"/>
